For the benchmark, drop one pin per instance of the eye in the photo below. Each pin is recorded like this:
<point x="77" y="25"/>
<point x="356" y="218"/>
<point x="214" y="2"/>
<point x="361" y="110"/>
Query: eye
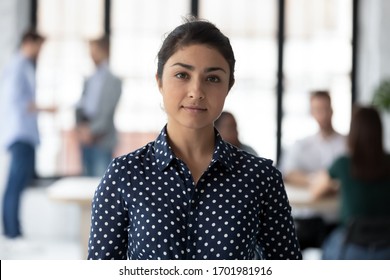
<point x="213" y="79"/>
<point x="182" y="75"/>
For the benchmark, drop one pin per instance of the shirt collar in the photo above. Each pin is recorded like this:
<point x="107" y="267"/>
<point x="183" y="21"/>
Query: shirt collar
<point x="223" y="152"/>
<point x="320" y="138"/>
<point x="102" y="67"/>
<point x="23" y="57"/>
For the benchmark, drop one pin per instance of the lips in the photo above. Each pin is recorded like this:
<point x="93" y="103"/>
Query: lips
<point x="194" y="108"/>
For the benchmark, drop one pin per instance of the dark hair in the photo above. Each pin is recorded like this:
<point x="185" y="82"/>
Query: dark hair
<point x="196" y="31"/>
<point x="223" y="115"/>
<point x="320" y="94"/>
<point x="103" y="43"/>
<point x="32" y="35"/>
<point x="365" y="142"/>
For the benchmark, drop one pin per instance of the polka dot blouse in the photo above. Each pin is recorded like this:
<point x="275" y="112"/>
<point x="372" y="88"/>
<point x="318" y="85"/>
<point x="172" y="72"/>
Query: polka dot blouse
<point x="147" y="206"/>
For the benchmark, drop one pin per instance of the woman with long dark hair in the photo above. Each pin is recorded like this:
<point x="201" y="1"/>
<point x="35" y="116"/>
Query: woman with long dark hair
<point x="363" y="179"/>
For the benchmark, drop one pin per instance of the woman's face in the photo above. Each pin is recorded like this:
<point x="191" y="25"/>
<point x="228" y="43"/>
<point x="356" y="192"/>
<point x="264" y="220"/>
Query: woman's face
<point x="194" y="85"/>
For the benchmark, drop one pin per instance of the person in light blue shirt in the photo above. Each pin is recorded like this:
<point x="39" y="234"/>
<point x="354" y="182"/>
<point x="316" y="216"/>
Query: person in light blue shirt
<point x="19" y="127"/>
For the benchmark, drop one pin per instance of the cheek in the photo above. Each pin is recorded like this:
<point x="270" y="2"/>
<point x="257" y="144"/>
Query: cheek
<point x="169" y="92"/>
<point x="170" y="95"/>
<point x="169" y="85"/>
<point x="219" y="98"/>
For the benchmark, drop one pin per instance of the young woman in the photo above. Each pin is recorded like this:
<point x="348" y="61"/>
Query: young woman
<point x="363" y="177"/>
<point x="189" y="194"/>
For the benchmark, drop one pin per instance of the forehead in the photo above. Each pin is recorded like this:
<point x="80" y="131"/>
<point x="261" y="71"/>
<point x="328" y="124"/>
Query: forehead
<point x="198" y="53"/>
<point x="320" y="101"/>
<point x="94" y="45"/>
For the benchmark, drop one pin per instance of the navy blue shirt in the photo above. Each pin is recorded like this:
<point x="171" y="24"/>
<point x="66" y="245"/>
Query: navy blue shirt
<point x="147" y="206"/>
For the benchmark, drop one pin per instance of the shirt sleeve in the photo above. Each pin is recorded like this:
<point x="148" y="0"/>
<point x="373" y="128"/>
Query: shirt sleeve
<point x="109" y="219"/>
<point x="290" y="158"/>
<point x="277" y="237"/>
<point x="19" y="87"/>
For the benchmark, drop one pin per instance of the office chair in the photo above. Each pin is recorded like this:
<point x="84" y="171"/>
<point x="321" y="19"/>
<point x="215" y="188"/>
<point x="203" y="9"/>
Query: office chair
<point x="369" y="233"/>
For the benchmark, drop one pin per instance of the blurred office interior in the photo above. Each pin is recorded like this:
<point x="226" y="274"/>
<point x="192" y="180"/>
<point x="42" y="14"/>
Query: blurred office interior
<point x="284" y="49"/>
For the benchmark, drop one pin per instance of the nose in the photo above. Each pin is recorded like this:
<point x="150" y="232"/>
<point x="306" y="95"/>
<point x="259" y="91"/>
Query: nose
<point x="195" y="90"/>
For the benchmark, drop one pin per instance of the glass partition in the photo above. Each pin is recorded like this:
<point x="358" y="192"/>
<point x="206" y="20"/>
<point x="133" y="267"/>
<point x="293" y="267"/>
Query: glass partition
<point x="252" y="27"/>
<point x="318" y="55"/>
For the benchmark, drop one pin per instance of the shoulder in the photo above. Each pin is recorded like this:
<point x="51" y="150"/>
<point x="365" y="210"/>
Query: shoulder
<point x="135" y="155"/>
<point x="342" y="160"/>
<point x="340" y="164"/>
<point x="338" y="135"/>
<point x="339" y="139"/>
<point x="16" y="65"/>
<point x="248" y="149"/>
<point x="259" y="172"/>
<point x="302" y="142"/>
<point x="112" y="76"/>
<point x="131" y="164"/>
<point x="112" y="85"/>
<point x="245" y="160"/>
<point x="308" y="140"/>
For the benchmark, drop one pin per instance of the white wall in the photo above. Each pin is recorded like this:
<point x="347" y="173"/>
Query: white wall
<point x="14" y="19"/>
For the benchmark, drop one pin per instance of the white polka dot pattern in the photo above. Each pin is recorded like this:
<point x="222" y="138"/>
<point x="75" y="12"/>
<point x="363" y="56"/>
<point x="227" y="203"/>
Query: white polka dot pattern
<point x="148" y="207"/>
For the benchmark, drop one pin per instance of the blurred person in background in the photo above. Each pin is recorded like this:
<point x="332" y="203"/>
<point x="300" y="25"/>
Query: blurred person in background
<point x="95" y="111"/>
<point x="226" y="125"/>
<point x="304" y="159"/>
<point x="363" y="177"/>
<point x="315" y="152"/>
<point x="19" y="126"/>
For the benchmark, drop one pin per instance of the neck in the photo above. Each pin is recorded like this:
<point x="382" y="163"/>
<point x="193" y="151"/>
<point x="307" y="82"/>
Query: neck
<point x="26" y="53"/>
<point x="190" y="143"/>
<point x="100" y="63"/>
<point x="236" y="143"/>
<point x="326" y="132"/>
<point x="194" y="147"/>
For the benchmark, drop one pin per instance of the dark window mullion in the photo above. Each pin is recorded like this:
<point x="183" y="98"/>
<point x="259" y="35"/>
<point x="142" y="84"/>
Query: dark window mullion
<point x="195" y="8"/>
<point x="107" y="17"/>
<point x="279" y="86"/>
<point x="33" y="13"/>
<point x="355" y="37"/>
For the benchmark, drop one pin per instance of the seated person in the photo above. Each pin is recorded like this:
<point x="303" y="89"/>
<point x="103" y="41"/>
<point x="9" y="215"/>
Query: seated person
<point x="315" y="152"/>
<point x="227" y="126"/>
<point x="364" y="177"/>
<point x="306" y="157"/>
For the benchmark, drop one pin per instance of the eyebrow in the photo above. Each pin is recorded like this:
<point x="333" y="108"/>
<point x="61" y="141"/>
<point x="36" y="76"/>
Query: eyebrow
<point x="190" y="67"/>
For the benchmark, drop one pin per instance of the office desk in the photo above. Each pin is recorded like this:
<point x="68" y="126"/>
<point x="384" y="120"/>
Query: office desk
<point x="303" y="204"/>
<point x="78" y="190"/>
